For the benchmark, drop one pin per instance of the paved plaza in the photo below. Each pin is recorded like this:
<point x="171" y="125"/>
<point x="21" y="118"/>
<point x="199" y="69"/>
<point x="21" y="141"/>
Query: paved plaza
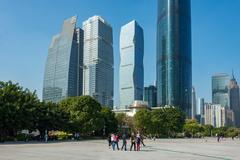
<point x="161" y="149"/>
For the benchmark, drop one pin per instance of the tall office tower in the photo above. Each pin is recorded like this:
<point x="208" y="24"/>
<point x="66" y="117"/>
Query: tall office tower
<point x="150" y="96"/>
<point x="63" y="69"/>
<point x="220" y="90"/>
<point x="131" y="64"/>
<point x="200" y="110"/>
<point x="194" y="105"/>
<point x="174" y="57"/>
<point x="234" y="100"/>
<point x="98" y="60"/>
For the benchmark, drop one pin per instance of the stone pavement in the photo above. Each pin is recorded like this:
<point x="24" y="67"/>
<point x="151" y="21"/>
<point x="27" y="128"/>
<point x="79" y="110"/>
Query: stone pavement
<point x="161" y="149"/>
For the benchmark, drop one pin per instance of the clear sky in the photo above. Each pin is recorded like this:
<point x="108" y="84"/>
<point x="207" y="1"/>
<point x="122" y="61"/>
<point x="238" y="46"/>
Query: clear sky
<point x="27" y="27"/>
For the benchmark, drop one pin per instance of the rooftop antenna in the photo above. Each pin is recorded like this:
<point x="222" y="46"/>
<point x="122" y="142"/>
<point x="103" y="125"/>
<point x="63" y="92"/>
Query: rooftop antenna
<point x="233" y="74"/>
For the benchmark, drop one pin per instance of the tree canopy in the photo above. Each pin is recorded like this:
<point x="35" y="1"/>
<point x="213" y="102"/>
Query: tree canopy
<point x="163" y="122"/>
<point x="84" y="114"/>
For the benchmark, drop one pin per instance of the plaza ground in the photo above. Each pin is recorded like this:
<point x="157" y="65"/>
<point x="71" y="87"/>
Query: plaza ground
<point x="161" y="149"/>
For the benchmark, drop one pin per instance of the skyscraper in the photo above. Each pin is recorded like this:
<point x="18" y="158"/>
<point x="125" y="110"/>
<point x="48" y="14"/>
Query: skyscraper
<point x="194" y="107"/>
<point x="200" y="109"/>
<point x="174" y="58"/>
<point x="220" y="91"/>
<point x="131" y="64"/>
<point x="150" y="96"/>
<point x="98" y="60"/>
<point x="234" y="100"/>
<point x="63" y="69"/>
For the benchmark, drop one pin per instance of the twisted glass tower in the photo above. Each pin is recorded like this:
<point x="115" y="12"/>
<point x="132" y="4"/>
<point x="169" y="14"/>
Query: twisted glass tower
<point x="174" y="60"/>
<point x="63" y="69"/>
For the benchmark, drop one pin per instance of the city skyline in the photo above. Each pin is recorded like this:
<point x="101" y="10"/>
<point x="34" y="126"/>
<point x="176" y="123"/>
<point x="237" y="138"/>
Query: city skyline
<point x="30" y="74"/>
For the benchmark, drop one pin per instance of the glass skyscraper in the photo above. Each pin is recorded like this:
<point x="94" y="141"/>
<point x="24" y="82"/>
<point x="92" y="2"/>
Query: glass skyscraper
<point x="174" y="58"/>
<point x="98" y="60"/>
<point x="200" y="110"/>
<point x="234" y="100"/>
<point x="194" y="103"/>
<point x="220" y="89"/>
<point x="63" y="69"/>
<point x="131" y="64"/>
<point x="150" y="96"/>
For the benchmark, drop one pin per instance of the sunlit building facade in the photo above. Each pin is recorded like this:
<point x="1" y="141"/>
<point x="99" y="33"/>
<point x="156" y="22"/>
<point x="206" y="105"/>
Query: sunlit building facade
<point x="98" y="60"/>
<point x="131" y="64"/>
<point x="63" y="68"/>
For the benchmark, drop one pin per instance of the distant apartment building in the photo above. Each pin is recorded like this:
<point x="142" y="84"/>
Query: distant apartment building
<point x="217" y="115"/>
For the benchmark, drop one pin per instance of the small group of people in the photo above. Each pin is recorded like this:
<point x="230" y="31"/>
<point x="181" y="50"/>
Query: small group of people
<point x="219" y="136"/>
<point x="135" y="139"/>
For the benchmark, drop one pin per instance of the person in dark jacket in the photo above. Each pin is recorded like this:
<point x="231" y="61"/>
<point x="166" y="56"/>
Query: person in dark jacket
<point x="133" y="142"/>
<point x="124" y="139"/>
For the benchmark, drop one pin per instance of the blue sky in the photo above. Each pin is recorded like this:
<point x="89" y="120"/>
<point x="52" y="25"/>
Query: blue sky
<point x="27" y="26"/>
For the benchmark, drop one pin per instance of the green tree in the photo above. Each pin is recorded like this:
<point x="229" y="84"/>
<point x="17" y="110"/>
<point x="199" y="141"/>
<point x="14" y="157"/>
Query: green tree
<point x="207" y="130"/>
<point x="174" y="121"/>
<point x="142" y="121"/>
<point x="110" y="121"/>
<point x="125" y="123"/>
<point x="158" y="118"/>
<point x="121" y="118"/>
<point x="192" y="127"/>
<point x="84" y="114"/>
<point x="220" y="131"/>
<point x="48" y="116"/>
<point x="16" y="108"/>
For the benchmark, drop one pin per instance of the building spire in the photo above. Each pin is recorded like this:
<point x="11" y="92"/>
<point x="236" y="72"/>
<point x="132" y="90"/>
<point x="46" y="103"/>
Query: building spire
<point x="233" y="74"/>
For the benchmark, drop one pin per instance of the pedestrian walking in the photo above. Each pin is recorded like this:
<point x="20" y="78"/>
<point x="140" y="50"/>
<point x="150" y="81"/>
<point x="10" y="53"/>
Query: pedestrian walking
<point x="117" y="140"/>
<point x="133" y="142"/>
<point x="124" y="140"/>
<point x="141" y="139"/>
<point x="138" y="142"/>
<point x="109" y="141"/>
<point x="113" y="141"/>
<point x="218" y="137"/>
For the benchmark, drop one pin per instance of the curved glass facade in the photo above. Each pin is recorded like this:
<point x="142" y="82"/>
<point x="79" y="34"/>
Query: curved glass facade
<point x="174" y="60"/>
<point x="63" y="73"/>
<point x="131" y="64"/>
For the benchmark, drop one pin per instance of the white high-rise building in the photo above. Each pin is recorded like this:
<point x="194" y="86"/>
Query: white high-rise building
<point x="214" y="115"/>
<point x="131" y="65"/>
<point x="98" y="61"/>
<point x="218" y="116"/>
